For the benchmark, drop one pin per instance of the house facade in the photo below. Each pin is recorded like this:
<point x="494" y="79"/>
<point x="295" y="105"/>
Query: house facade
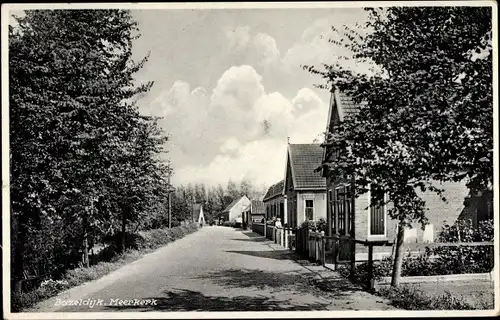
<point x="356" y="217"/>
<point x="274" y="201"/>
<point x="234" y="211"/>
<point x="255" y="212"/>
<point x="304" y="187"/>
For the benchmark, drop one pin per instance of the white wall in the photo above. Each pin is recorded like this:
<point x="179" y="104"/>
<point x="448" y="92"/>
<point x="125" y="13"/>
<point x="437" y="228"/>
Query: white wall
<point x="319" y="205"/>
<point x="236" y="212"/>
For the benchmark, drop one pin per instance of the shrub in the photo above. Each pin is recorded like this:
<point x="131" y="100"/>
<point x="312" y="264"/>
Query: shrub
<point x="410" y="298"/>
<point x="52" y="287"/>
<point x="463" y="259"/>
<point x="231" y="224"/>
<point x="319" y="225"/>
<point x="115" y="241"/>
<point x="381" y="269"/>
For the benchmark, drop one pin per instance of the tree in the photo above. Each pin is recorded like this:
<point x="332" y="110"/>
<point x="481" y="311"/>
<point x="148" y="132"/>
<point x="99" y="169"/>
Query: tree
<point x="426" y="113"/>
<point x="83" y="151"/>
<point x="232" y="190"/>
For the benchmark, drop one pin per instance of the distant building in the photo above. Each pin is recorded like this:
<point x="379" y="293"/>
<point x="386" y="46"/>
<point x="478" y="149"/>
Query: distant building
<point x="304" y="187"/>
<point x="254" y="212"/>
<point x="234" y="211"/>
<point x="274" y="201"/>
<point x="198" y="215"/>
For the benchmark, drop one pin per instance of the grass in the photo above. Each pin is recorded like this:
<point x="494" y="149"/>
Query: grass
<point x="410" y="298"/>
<point x="152" y="240"/>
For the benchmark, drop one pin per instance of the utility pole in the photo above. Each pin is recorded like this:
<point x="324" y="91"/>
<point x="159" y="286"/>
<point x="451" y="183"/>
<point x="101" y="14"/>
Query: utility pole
<point x="169" y="201"/>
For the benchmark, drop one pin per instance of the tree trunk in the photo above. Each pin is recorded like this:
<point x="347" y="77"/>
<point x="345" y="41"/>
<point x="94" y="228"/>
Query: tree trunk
<point x="86" y="250"/>
<point x="18" y="261"/>
<point x="124" y="234"/>
<point x="85" y="241"/>
<point x="398" y="256"/>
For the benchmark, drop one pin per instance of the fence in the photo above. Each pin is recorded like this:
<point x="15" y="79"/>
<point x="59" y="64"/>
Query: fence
<point x="284" y="237"/>
<point x="339" y="249"/>
<point x="269" y="232"/>
<point x="258" y="228"/>
<point x="319" y="248"/>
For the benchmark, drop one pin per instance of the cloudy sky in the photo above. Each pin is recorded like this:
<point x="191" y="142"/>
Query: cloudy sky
<point x="230" y="87"/>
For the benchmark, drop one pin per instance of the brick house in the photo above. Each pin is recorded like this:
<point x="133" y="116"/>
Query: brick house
<point x="355" y="217"/>
<point x="274" y="201"/>
<point x="305" y="188"/>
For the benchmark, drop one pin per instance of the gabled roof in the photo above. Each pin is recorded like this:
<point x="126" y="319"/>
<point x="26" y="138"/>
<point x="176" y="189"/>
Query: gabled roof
<point x="232" y="204"/>
<point x="274" y="190"/>
<point x="257" y="207"/>
<point x="344" y="106"/>
<point x="304" y="159"/>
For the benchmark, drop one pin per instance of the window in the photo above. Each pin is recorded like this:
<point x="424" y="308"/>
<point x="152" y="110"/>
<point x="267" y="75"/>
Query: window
<point x="340" y="208"/>
<point x="309" y="209"/>
<point x="377" y="219"/>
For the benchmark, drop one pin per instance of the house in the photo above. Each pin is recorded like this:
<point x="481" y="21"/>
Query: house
<point x="198" y="214"/>
<point x="274" y="201"/>
<point x="355" y="217"/>
<point x="233" y="212"/>
<point x="304" y="188"/>
<point x="254" y="212"/>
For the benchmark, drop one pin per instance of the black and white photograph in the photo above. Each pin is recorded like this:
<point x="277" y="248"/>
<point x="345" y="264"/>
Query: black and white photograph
<point x="250" y="160"/>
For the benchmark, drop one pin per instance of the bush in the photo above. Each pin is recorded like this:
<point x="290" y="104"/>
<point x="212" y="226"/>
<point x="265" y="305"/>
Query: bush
<point x="410" y="298"/>
<point x="381" y="269"/>
<point x="231" y="224"/>
<point x="51" y="287"/>
<point x="115" y="241"/>
<point x="319" y="225"/>
<point x="477" y="259"/>
<point x="440" y="260"/>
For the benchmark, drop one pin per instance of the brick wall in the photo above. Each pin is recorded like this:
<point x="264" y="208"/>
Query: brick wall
<point x="438" y="214"/>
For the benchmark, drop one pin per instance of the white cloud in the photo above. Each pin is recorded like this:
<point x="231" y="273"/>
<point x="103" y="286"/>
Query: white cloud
<point x="239" y="87"/>
<point x="238" y="130"/>
<point x="265" y="48"/>
<point x="261" y="162"/>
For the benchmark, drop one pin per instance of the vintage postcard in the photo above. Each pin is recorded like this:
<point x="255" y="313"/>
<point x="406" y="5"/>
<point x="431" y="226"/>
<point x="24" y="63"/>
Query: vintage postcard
<point x="250" y="160"/>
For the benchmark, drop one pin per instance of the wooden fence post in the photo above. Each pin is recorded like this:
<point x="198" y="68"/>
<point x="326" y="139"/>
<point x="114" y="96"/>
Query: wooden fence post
<point x="285" y="240"/>
<point x="370" y="267"/>
<point x="336" y="249"/>
<point x="353" y="258"/>
<point x="323" y="249"/>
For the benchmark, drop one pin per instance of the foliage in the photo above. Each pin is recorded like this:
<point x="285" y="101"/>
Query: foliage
<point x="319" y="225"/>
<point x="231" y="224"/>
<point x="426" y="114"/>
<point x="86" y="164"/>
<point x="50" y="287"/>
<point x="410" y="298"/>
<point x="463" y="259"/>
<point x="426" y="105"/>
<point x="380" y="269"/>
<point x="213" y="198"/>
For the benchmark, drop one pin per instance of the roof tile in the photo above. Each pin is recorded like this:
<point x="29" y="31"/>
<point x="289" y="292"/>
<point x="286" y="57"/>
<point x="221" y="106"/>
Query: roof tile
<point x="305" y="159"/>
